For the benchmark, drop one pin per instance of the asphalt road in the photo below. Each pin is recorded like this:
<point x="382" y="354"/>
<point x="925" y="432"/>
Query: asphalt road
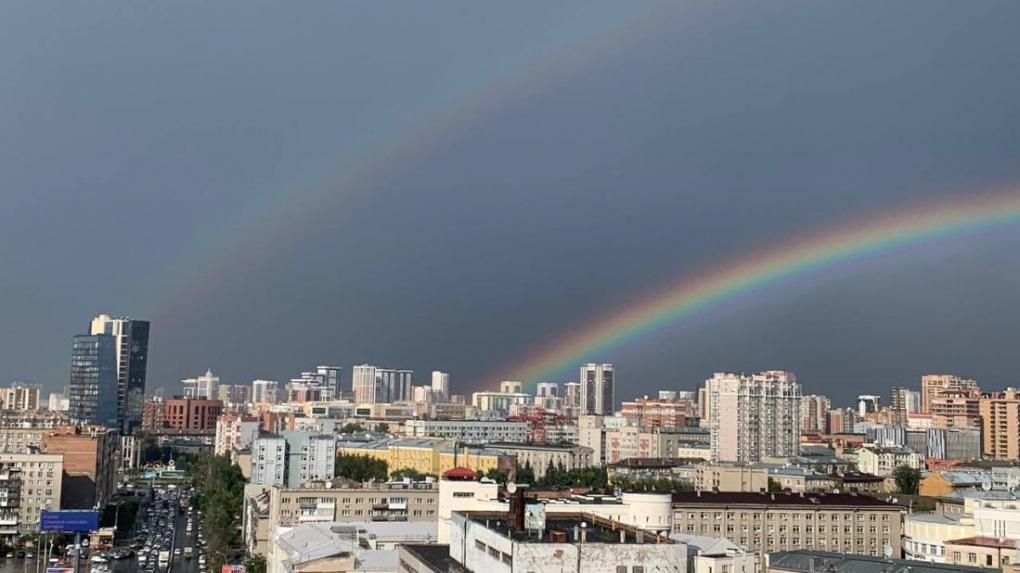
<point x="182" y="539"/>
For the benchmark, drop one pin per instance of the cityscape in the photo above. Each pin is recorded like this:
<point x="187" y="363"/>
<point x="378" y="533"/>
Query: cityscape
<point x="599" y="287"/>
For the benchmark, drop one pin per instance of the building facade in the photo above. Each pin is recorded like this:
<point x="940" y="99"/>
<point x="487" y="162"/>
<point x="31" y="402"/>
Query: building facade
<point x="198" y="414"/>
<point x="380" y="385"/>
<point x="1000" y="424"/>
<point x="753" y="416"/>
<point x="131" y="347"/>
<point x="94" y="386"/>
<point x="770" y="522"/>
<point x="597" y="389"/>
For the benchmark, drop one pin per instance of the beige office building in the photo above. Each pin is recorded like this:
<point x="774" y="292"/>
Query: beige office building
<point x="768" y="522"/>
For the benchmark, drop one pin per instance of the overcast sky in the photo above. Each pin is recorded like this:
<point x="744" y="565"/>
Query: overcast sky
<point x="454" y="186"/>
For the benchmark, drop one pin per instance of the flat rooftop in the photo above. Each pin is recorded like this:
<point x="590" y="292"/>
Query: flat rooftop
<point x="595" y="529"/>
<point x="784" y="499"/>
<point x="821" y="561"/>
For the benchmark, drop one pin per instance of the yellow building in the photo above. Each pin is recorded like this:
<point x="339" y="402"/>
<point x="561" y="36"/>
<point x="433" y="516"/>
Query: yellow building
<point x="428" y="456"/>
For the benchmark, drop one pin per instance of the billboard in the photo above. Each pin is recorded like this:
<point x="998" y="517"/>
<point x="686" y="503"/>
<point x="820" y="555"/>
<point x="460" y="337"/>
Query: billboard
<point x="69" y="521"/>
<point x="534" y="516"/>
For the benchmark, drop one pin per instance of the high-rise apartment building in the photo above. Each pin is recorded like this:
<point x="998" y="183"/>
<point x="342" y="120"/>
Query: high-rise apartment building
<point x="572" y="398"/>
<point x="20" y="397"/>
<point x="753" y="416"/>
<point x="902" y="403"/>
<point x="264" y="391"/>
<point x="933" y="384"/>
<point x="94" y="386"/>
<point x="269" y="461"/>
<point x="321" y="385"/>
<point x="205" y="386"/>
<point x="956" y="409"/>
<point x="597" y="389"/>
<point x="1000" y="424"/>
<point x="440" y="385"/>
<point x="131" y="341"/>
<point x="234" y="393"/>
<point x="380" y="385"/>
<point x="868" y="404"/>
<point x="293" y="459"/>
<point x="814" y="413"/>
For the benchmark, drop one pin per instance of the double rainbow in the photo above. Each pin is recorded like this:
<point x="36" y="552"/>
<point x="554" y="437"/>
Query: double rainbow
<point x="686" y="298"/>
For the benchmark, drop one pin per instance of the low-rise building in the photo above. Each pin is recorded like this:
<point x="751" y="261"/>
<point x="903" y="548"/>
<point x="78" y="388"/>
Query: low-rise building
<point x="428" y="455"/>
<point x="832" y="562"/>
<point x="540" y="457"/>
<point x="925" y="534"/>
<point x="730" y="477"/>
<point x="343" y="547"/>
<point x="488" y="541"/>
<point x="768" y="522"/>
<point x="882" y="461"/>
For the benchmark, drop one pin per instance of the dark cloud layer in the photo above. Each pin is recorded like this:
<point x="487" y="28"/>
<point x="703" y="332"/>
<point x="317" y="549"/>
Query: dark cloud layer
<point x="133" y="137"/>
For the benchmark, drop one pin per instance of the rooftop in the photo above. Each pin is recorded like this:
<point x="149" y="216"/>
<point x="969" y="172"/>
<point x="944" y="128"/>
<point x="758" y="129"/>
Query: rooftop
<point x="818" y="561"/>
<point x="981" y="541"/>
<point x="436" y="556"/>
<point x="937" y="517"/>
<point x="786" y="499"/>
<point x="568" y="528"/>
<point x="654" y="463"/>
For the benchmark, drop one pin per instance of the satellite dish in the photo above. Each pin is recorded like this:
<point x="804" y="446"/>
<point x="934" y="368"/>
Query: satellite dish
<point x="511" y="487"/>
<point x="887" y="551"/>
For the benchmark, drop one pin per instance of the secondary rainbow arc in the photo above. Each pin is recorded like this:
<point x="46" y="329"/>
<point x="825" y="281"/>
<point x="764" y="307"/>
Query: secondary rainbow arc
<point x="746" y="275"/>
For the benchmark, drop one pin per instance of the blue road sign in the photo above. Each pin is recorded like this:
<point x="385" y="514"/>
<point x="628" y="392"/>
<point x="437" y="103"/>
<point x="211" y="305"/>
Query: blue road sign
<point x="78" y="521"/>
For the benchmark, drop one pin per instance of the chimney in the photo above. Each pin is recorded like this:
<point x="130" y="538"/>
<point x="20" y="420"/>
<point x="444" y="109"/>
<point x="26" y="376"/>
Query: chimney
<point x="517" y="510"/>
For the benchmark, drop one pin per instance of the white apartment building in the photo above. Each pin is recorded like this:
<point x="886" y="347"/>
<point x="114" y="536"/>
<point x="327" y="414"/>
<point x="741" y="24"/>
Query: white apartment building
<point x="882" y="461"/>
<point x="269" y="461"/>
<point x="380" y="385"/>
<point x="753" y="416"/>
<point x="264" y="391"/>
<point x="498" y="402"/>
<point x="204" y="386"/>
<point x="471" y="431"/>
<point x="597" y="389"/>
<point x="441" y="385"/>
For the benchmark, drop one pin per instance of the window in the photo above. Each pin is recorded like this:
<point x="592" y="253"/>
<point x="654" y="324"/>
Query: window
<point x="480" y="546"/>
<point x="637" y="569"/>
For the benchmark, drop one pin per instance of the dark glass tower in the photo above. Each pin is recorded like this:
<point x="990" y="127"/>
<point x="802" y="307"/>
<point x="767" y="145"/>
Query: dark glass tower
<point x="93" y="389"/>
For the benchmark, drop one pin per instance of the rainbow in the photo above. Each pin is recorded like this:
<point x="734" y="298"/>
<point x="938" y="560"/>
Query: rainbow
<point x="740" y="278"/>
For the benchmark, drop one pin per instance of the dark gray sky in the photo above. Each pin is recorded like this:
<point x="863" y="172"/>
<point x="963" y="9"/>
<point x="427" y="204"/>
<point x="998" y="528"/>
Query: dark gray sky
<point x="454" y="186"/>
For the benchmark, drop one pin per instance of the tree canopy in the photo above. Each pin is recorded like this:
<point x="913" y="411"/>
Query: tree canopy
<point x="359" y="467"/>
<point x="907" y="479"/>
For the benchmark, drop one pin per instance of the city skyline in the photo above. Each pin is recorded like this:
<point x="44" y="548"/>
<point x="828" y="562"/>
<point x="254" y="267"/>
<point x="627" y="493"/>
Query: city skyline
<point x="423" y="206"/>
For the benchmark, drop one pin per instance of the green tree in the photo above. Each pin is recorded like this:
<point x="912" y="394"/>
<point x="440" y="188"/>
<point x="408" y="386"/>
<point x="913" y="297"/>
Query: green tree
<point x="362" y="468"/>
<point x="351" y="427"/>
<point x="414" y="474"/>
<point x="907" y="479"/>
<point x="219" y="488"/>
<point x="497" y="475"/>
<point x="774" y="486"/>
<point x="383" y="427"/>
<point x="526" y="474"/>
<point x="255" y="564"/>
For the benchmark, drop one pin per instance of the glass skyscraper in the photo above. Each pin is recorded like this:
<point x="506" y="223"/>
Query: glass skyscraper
<point x="94" y="385"/>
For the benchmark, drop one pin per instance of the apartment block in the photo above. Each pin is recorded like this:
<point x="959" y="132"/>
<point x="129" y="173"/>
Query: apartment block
<point x="540" y="457"/>
<point x="90" y="464"/>
<point x="955" y="409"/>
<point x="753" y="416"/>
<point x="29" y="483"/>
<point x="770" y="522"/>
<point x="934" y="384"/>
<point x="197" y="414"/>
<point x="1000" y="424"/>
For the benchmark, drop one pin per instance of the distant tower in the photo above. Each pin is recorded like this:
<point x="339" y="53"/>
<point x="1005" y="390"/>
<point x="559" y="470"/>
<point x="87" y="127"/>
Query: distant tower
<point x="131" y="339"/>
<point x="597" y="389"/>
<point x="94" y="385"/>
<point x="441" y="384"/>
